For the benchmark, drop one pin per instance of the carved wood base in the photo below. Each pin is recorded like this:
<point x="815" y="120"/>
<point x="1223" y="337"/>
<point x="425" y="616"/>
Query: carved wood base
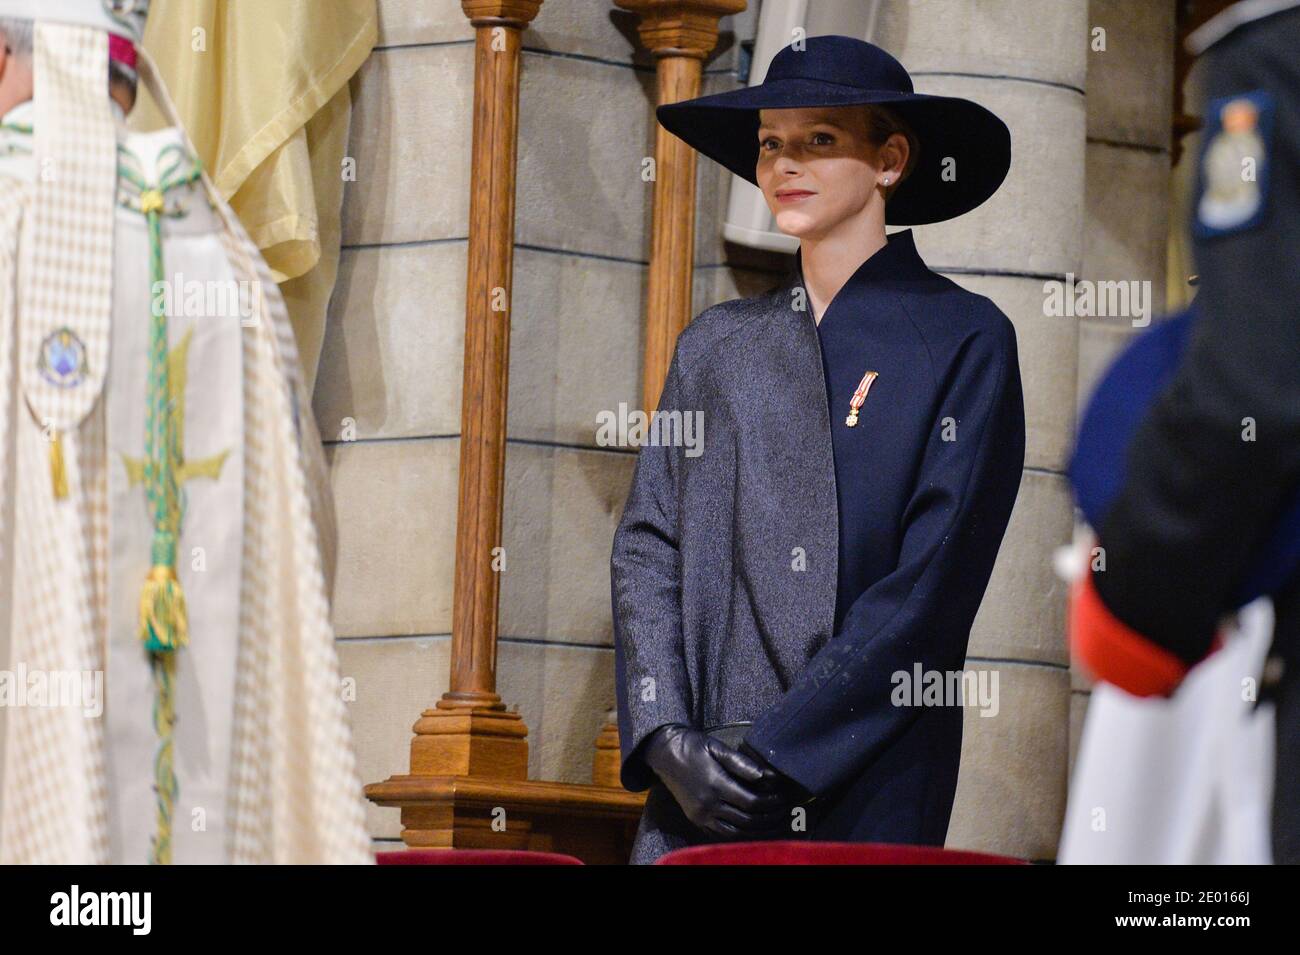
<point x="605" y="762"/>
<point x="594" y="823"/>
<point x="453" y="739"/>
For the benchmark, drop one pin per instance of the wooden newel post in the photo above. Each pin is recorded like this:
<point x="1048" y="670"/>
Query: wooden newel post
<point x="468" y="785"/>
<point x="680" y="34"/>
<point x="469" y="731"/>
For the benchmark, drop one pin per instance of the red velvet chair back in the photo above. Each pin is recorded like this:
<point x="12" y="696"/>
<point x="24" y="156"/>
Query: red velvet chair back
<point x="473" y="857"/>
<point x="792" y="852"/>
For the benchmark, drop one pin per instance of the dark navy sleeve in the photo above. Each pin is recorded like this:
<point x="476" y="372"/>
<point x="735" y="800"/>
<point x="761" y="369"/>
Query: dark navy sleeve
<point x="839" y="716"/>
<point x="651" y="681"/>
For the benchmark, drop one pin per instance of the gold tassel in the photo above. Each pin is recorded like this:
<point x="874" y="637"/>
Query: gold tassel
<point x="164" y="625"/>
<point x="58" y="471"/>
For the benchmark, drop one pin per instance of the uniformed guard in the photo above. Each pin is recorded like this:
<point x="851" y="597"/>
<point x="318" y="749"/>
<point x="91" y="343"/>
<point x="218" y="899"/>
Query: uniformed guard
<point x="866" y="436"/>
<point x="1206" y="514"/>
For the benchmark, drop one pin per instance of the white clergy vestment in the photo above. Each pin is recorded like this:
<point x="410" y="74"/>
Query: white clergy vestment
<point x="263" y="763"/>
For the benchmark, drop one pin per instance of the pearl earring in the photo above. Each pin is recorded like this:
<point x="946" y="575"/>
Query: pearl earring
<point x="886" y="180"/>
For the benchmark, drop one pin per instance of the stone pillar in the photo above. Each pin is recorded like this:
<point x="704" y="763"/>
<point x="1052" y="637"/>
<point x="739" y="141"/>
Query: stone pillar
<point x="1127" y="191"/>
<point x="1130" y="112"/>
<point x="1026" y="61"/>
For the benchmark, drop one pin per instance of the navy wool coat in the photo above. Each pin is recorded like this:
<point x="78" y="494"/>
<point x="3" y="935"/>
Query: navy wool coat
<point x="787" y="570"/>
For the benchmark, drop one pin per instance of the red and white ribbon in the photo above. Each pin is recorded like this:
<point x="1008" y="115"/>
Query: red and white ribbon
<point x="859" y="396"/>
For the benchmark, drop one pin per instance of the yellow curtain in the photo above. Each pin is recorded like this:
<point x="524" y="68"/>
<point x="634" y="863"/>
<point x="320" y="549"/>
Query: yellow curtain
<point x="263" y="90"/>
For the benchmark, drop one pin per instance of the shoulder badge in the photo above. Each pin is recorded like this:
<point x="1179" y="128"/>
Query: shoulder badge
<point x="1234" y="169"/>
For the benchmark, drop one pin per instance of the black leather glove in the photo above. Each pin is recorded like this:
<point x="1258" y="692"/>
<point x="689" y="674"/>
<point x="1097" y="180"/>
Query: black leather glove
<point x="773" y="779"/>
<point x="790" y="792"/>
<point x="721" y="791"/>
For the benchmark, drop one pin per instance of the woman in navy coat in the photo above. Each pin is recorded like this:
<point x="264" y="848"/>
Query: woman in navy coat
<point x="784" y="592"/>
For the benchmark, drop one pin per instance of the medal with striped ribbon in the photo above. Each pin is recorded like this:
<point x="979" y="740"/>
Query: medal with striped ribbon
<point x="859" y="396"/>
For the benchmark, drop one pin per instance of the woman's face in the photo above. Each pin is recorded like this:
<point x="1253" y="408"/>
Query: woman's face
<point x="817" y="168"/>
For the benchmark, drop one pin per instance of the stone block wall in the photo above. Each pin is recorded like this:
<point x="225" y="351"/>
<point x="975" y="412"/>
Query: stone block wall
<point x="1083" y="197"/>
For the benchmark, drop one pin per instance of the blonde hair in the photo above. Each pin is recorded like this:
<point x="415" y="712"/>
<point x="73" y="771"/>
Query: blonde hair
<point x="883" y="122"/>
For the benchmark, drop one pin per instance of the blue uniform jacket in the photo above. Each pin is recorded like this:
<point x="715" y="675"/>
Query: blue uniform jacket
<point x="781" y="567"/>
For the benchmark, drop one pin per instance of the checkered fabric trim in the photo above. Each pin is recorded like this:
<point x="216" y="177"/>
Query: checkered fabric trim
<point x="13" y="199"/>
<point x="69" y="283"/>
<point x="53" y="804"/>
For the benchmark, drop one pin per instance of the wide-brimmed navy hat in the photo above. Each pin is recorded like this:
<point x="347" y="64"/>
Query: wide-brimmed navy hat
<point x="842" y="71"/>
<point x="1118" y="405"/>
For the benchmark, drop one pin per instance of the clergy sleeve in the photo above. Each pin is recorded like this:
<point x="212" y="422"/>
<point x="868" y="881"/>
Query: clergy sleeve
<point x="841" y="713"/>
<point x="645" y="574"/>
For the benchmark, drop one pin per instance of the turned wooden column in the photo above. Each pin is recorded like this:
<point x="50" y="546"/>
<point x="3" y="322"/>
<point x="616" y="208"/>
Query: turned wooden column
<point x="680" y="34"/>
<point x="468" y="786"/>
<point x="469" y="731"/>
